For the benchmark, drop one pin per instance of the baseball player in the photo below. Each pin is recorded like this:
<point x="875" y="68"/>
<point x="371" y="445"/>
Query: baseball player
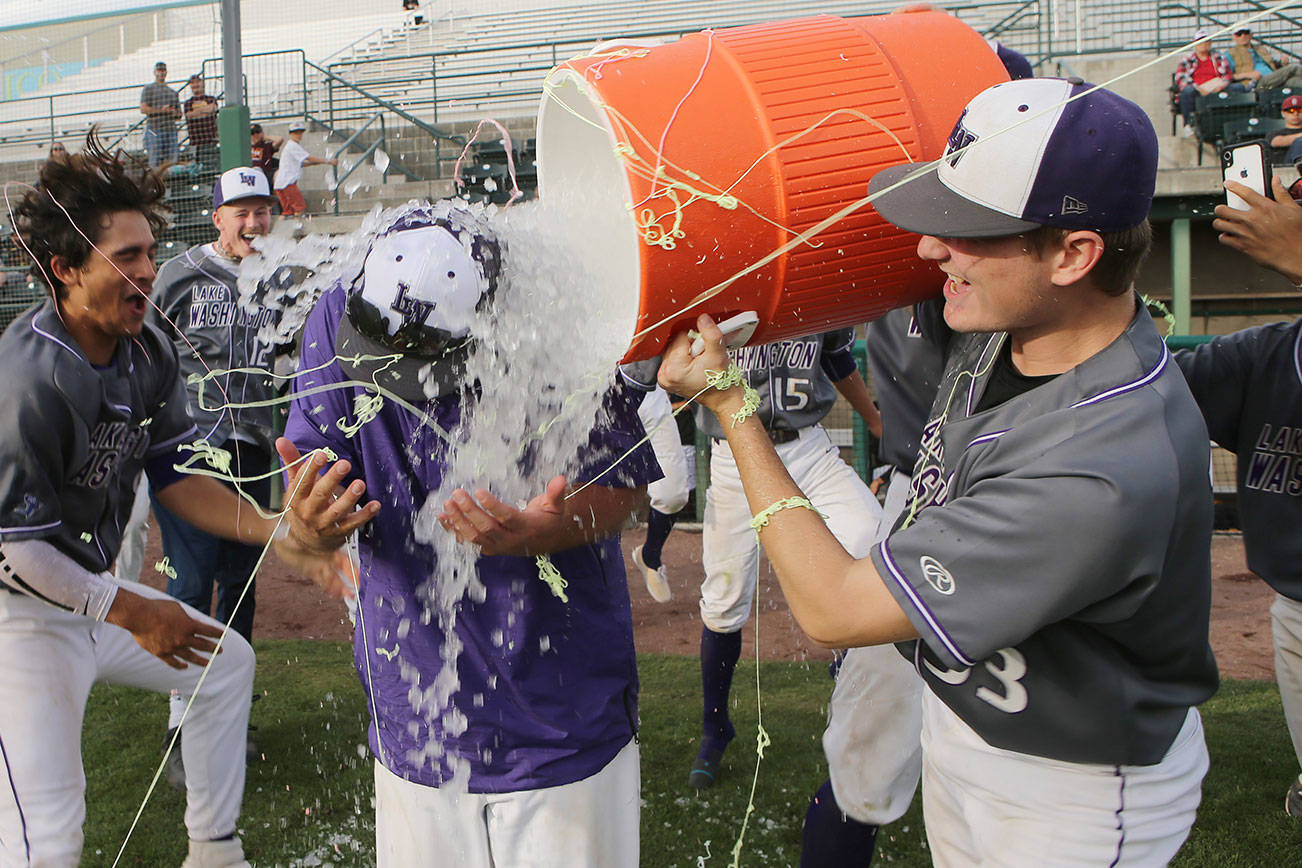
<point x="668" y="495"/>
<point x="198" y="306"/>
<point x="874" y="757"/>
<point x="1050" y="578"/>
<point x="1249" y="386"/>
<point x="797" y="381"/>
<point x="93" y="396"/>
<point x="544" y="692"/>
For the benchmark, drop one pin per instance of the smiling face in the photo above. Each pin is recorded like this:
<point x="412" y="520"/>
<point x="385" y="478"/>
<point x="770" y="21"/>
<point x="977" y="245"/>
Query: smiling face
<point x="107" y="297"/>
<point x="995" y="284"/>
<point x="239" y="222"/>
<point x="1243" y="37"/>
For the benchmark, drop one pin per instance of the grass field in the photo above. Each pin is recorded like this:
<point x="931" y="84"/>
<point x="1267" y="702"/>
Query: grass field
<point x="308" y="803"/>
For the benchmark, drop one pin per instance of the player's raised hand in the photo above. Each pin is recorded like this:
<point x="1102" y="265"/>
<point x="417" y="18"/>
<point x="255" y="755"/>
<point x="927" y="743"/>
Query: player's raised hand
<point x="322" y="512"/>
<point x="1269" y="232"/>
<point x="684" y="373"/>
<point x="500" y="529"/>
<point x="164" y="629"/>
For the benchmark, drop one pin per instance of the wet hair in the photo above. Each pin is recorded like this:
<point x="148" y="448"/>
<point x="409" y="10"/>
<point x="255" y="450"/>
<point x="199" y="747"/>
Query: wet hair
<point x="1123" y="252"/>
<point x="90" y="185"/>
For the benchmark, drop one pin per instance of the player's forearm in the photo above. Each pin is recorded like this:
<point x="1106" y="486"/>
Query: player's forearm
<point x="855" y="391"/>
<point x="594" y="513"/>
<point x="213" y="508"/>
<point x="838" y="601"/>
<point x="35" y="568"/>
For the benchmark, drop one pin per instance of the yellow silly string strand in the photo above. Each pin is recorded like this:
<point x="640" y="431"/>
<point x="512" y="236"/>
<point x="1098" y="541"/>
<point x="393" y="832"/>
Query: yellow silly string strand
<point x="548" y="573"/>
<point x="725" y="380"/>
<point x="761" y="518"/>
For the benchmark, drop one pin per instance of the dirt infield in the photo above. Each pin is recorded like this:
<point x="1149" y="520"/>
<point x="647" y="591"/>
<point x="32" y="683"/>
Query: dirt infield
<point x="291" y="608"/>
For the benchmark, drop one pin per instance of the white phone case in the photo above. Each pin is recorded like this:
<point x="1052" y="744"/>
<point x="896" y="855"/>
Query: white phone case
<point x="1246" y="165"/>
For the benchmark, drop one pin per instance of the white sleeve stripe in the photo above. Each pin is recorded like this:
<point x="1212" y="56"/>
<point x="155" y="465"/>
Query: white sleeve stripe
<point x="636" y="384"/>
<point x="920" y="606"/>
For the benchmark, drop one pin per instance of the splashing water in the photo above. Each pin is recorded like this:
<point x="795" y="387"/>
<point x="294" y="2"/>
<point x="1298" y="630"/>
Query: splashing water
<point x="545" y="352"/>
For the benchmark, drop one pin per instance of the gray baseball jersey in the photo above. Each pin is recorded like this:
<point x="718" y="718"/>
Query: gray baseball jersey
<point x="793" y="378"/>
<point x="905" y="369"/>
<point x="74" y="437"/>
<point x="200" y="303"/>
<point x="1057" y="564"/>
<point x="1249" y="386"/>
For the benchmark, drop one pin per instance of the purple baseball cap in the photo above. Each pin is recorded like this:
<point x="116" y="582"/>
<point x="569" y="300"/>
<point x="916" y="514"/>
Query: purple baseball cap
<point x="1030" y="153"/>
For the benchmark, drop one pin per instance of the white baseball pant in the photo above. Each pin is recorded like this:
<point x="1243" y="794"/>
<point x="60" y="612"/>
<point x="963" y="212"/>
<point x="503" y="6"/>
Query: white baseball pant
<point x="592" y="823"/>
<point x="51" y="660"/>
<point x="729" y="547"/>
<point x="131" y="555"/>
<point x="986" y="806"/>
<point x="874" y="720"/>
<point x="668" y="495"/>
<point x="1286" y="630"/>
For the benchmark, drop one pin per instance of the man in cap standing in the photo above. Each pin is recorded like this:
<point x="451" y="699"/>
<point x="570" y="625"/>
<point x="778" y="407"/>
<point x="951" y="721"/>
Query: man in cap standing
<point x="226" y="353"/>
<point x="535" y="760"/>
<point x="161" y="106"/>
<point x="1050" y="579"/>
<point x="293" y="157"/>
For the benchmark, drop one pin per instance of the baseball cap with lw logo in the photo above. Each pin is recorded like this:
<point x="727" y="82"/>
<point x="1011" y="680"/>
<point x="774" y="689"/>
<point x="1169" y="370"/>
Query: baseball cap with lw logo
<point x="240" y="183"/>
<point x="1030" y="153"/>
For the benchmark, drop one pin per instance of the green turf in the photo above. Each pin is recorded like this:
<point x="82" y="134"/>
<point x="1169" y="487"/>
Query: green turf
<point x="309" y="802"/>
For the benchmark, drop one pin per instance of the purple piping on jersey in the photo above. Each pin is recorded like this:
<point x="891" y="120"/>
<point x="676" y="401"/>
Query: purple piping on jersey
<point x="27" y="845"/>
<point x="1297" y="356"/>
<point x="1129" y="387"/>
<point x="921" y="607"/>
<point x="29" y="528"/>
<point x="158" y="448"/>
<point x="123" y="407"/>
<point x="1120" y="815"/>
<point x="995" y="342"/>
<point x="984" y="438"/>
<point x="46" y="334"/>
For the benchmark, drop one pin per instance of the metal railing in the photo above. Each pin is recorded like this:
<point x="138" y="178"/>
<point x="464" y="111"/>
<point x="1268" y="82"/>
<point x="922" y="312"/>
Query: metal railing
<point x="376" y="145"/>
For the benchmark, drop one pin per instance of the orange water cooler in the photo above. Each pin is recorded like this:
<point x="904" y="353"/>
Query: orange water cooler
<point x="724" y="146"/>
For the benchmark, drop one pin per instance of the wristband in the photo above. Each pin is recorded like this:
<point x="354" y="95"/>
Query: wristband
<point x="762" y="518"/>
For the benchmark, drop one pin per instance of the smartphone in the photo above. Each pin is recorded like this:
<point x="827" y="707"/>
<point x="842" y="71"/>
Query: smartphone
<point x="1248" y="165"/>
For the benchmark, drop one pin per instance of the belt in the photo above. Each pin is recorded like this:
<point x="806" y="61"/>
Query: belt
<point x="777" y="437"/>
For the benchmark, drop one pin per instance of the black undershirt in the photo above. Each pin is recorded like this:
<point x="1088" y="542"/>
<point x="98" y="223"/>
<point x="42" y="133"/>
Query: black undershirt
<point x="1005" y="382"/>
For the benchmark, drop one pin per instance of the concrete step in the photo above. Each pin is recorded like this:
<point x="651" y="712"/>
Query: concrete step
<point x="367" y="197"/>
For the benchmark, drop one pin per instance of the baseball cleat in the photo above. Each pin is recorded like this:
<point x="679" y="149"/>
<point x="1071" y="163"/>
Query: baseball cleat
<point x="1293" y="799"/>
<point x="706" y="767"/>
<point x="657" y="581"/>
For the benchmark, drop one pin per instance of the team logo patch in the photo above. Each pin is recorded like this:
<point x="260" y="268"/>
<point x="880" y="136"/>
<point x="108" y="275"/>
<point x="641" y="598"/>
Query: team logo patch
<point x="936" y="575"/>
<point x="30" y="505"/>
<point x="960" y="138"/>
<point x="1072" y="205"/>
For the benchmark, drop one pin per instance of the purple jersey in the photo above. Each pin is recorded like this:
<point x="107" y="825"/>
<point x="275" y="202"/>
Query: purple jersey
<point x="548" y="689"/>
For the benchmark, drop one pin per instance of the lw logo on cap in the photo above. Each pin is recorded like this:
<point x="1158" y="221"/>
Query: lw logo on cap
<point x="413" y="310"/>
<point x="248" y="179"/>
<point x="1072" y="205"/>
<point x="959" y="139"/>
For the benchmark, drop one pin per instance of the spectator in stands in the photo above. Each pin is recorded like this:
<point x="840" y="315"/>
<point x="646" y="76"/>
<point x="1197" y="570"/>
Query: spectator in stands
<point x="1257" y="67"/>
<point x="293" y="157"/>
<point x="201" y="121"/>
<point x="161" y="106"/>
<point x="57" y="152"/>
<point x="1202" y="71"/>
<point x="1291" y="136"/>
<point x="413" y="6"/>
<point x="264" y="150"/>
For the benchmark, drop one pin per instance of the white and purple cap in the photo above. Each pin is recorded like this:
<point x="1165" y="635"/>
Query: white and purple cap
<point x="1031" y="153"/>
<point x="423" y="286"/>
<point x="240" y="183"/>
